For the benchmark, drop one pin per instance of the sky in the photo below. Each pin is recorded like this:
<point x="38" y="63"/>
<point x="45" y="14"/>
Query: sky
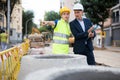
<point x="40" y="6"/>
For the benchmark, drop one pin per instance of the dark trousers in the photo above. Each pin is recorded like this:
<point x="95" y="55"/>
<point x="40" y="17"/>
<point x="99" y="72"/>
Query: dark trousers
<point x="89" y="54"/>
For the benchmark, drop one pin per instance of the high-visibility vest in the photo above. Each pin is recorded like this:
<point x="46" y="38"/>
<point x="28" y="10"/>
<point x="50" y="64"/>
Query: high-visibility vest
<point x="60" y="37"/>
<point x="3" y="37"/>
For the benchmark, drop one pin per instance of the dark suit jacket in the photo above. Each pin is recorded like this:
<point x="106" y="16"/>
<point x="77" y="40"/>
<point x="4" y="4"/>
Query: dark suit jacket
<point x="81" y="37"/>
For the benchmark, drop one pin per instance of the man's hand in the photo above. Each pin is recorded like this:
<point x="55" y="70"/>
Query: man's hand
<point x="44" y="23"/>
<point x="90" y="30"/>
<point x="91" y="35"/>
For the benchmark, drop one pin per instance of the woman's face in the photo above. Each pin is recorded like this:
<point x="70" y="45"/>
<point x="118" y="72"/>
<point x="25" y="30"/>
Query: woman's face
<point x="65" y="16"/>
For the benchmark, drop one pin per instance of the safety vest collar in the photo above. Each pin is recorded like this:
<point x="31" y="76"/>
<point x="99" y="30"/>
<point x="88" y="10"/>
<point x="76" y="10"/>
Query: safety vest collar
<point x="63" y="20"/>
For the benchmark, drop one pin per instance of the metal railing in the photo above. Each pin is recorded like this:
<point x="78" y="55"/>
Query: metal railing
<point x="10" y="61"/>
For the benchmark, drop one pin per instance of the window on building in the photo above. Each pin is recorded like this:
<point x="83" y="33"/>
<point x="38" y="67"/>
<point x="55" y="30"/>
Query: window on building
<point x="11" y="32"/>
<point x="18" y="35"/>
<point x="113" y="17"/>
<point x="118" y="1"/>
<point x="0" y="17"/>
<point x="10" y="19"/>
<point x="117" y="16"/>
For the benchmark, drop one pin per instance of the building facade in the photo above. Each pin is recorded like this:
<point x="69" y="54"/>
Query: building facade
<point x="16" y="24"/>
<point x="112" y="33"/>
<point x="2" y="20"/>
<point x="15" y="20"/>
<point x="116" y="24"/>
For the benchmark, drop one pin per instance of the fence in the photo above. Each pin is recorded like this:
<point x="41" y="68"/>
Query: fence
<point x="10" y="61"/>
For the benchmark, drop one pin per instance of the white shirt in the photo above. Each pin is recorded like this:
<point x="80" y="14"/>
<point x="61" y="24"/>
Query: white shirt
<point x="82" y="24"/>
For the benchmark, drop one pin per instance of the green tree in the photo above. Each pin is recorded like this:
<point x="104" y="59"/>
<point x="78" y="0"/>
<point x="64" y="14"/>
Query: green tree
<point x="27" y="19"/>
<point x="51" y="15"/>
<point x="98" y="11"/>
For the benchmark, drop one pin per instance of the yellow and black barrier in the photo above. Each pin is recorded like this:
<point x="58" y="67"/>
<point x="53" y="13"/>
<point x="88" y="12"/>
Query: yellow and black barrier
<point x="10" y="61"/>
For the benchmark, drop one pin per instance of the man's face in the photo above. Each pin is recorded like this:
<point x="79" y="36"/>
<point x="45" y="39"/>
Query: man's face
<point x="78" y="14"/>
<point x="65" y="16"/>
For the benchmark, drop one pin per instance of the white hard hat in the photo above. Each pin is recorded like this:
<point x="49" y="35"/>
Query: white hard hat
<point x="78" y="6"/>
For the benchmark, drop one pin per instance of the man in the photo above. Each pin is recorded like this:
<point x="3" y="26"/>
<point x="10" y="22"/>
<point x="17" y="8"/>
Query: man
<point x="61" y="32"/>
<point x="3" y="37"/>
<point x="82" y="30"/>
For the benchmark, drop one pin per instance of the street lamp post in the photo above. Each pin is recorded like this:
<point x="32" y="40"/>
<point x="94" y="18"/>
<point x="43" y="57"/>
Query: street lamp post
<point x="26" y="25"/>
<point x="8" y="19"/>
<point x="61" y="4"/>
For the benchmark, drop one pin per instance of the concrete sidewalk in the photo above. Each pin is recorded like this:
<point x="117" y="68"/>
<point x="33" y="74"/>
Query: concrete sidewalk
<point x="114" y="49"/>
<point x="109" y="48"/>
<point x="107" y="57"/>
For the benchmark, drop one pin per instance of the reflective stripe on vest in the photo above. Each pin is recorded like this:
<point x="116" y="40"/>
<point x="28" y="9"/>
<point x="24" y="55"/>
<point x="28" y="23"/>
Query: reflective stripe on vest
<point x="61" y="35"/>
<point x="60" y="41"/>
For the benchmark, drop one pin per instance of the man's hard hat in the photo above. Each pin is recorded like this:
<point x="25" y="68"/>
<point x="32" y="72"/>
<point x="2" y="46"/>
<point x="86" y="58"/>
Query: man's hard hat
<point x="78" y="6"/>
<point x="64" y="9"/>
